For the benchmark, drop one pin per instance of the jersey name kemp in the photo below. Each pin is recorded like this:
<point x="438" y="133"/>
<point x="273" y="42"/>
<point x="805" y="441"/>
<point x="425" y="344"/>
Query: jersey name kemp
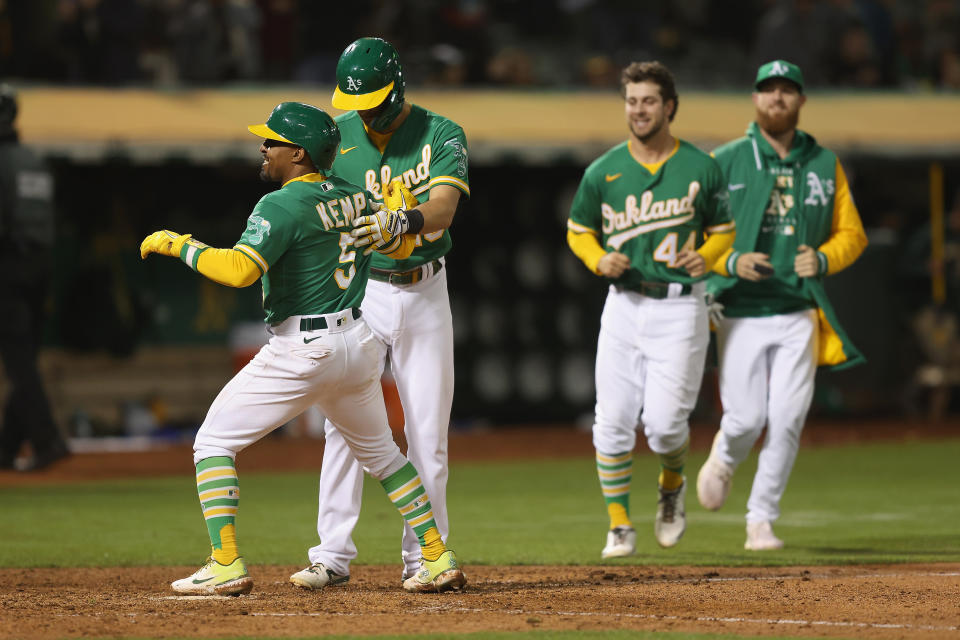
<point x="340" y="212"/>
<point x="649" y="216"/>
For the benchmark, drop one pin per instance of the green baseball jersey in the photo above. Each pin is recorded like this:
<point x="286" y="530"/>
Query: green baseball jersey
<point x="299" y="237"/>
<point x="651" y="217"/>
<point x="426" y="150"/>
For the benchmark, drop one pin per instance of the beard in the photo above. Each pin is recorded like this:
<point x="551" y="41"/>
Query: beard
<point x="779" y="122"/>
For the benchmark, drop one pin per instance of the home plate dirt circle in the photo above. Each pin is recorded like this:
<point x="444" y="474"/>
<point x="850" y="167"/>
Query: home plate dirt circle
<point x="875" y="601"/>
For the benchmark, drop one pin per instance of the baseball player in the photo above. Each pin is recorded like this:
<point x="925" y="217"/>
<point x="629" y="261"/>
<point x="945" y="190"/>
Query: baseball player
<point x="638" y="219"/>
<point x="406" y="305"/>
<point x="796" y="223"/>
<point x="299" y="244"/>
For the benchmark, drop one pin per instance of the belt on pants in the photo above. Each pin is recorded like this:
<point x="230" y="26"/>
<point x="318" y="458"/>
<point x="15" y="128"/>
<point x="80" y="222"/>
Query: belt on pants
<point x="660" y="290"/>
<point x="412" y="276"/>
<point x="319" y="322"/>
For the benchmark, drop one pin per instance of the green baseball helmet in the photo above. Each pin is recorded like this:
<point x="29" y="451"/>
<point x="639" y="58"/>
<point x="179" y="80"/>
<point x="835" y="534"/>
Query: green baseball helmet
<point x="306" y="126"/>
<point x="369" y="75"/>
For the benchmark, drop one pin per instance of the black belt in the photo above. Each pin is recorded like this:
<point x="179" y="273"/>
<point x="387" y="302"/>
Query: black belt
<point x="658" y="290"/>
<point x="403" y="277"/>
<point x="315" y="324"/>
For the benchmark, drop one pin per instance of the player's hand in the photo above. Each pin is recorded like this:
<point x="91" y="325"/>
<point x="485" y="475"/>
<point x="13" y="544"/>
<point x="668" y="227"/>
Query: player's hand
<point x="693" y="262"/>
<point x="398" y="197"/>
<point x="806" y="264"/>
<point x="613" y="264"/>
<point x="754" y="266"/>
<point x="166" y="243"/>
<point x="381" y="231"/>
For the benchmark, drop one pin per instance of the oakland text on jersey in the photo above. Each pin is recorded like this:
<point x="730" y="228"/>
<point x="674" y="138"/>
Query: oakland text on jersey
<point x="412" y="178"/>
<point x="340" y="212"/>
<point x="650" y="214"/>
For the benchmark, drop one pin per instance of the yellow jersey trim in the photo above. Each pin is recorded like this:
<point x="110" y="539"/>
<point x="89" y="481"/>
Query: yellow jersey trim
<point x="307" y="177"/>
<point x="457" y="182"/>
<point x="653" y="167"/>
<point x="251" y="253"/>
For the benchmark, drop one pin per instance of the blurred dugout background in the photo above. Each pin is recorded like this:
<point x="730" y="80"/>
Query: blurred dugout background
<point x="141" y="107"/>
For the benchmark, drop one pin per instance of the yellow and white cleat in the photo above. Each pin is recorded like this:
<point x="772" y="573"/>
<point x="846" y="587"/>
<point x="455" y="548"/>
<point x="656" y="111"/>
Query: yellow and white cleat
<point x="214" y="578"/>
<point x="443" y="574"/>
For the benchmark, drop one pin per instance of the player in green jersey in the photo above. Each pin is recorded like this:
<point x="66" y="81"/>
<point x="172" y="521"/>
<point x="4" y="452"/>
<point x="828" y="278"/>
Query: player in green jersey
<point x="797" y="223"/>
<point x="299" y="244"/>
<point x="385" y="138"/>
<point x="639" y="219"/>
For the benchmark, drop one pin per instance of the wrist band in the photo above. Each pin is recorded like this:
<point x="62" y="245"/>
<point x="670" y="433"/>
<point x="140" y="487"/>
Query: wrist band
<point x="414" y="221"/>
<point x="190" y="253"/>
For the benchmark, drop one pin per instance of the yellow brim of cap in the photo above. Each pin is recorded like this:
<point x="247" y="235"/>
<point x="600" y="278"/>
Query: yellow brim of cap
<point x="264" y="131"/>
<point x="361" y="102"/>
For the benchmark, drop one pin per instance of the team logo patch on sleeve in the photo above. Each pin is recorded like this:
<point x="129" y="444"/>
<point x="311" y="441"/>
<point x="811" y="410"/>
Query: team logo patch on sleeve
<point x="459" y="154"/>
<point x="258" y="228"/>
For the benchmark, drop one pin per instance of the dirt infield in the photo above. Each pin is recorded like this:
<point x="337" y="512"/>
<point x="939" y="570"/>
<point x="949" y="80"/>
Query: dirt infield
<point x="904" y="601"/>
<point x="891" y="601"/>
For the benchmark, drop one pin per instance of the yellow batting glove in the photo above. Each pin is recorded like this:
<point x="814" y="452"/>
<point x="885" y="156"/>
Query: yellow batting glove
<point x="381" y="231"/>
<point x="402" y="250"/>
<point x="166" y="243"/>
<point x="397" y="196"/>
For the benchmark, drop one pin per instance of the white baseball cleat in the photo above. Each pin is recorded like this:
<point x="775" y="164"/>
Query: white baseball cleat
<point x="671" y="519"/>
<point x="621" y="542"/>
<point x="318" y="576"/>
<point x="760" y="537"/>
<point x="714" y="480"/>
<point x="214" y="578"/>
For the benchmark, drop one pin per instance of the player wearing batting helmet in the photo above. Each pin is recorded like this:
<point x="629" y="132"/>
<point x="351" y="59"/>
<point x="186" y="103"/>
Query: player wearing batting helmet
<point x="638" y="220"/>
<point x="796" y="223"/>
<point x="386" y="138"/>
<point x="299" y="244"/>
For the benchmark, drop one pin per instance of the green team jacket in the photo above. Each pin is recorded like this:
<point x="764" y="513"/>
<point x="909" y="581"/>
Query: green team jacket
<point x="825" y="203"/>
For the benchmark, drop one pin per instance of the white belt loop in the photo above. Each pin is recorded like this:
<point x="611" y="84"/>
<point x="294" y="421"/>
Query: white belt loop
<point x="674" y="290"/>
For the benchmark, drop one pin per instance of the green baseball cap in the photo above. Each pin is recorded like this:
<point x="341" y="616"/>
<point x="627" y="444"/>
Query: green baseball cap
<point x="779" y="69"/>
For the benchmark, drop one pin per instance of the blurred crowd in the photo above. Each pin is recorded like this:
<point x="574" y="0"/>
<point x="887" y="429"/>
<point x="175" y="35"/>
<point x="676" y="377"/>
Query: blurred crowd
<point x="537" y="43"/>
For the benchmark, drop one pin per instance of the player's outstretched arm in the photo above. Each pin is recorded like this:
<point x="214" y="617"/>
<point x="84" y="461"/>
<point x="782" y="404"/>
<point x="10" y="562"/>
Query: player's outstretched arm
<point x="225" y="266"/>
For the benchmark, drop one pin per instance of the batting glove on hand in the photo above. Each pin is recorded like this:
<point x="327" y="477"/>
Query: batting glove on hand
<point x="714" y="310"/>
<point x="166" y="243"/>
<point x="383" y="231"/>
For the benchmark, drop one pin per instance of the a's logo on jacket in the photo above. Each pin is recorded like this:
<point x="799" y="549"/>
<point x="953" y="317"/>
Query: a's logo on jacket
<point x="819" y="191"/>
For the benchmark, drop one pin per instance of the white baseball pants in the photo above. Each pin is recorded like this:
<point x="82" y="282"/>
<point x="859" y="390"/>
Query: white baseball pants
<point x="767" y="370"/>
<point x="650" y="357"/>
<point x="336" y="369"/>
<point x="414" y="325"/>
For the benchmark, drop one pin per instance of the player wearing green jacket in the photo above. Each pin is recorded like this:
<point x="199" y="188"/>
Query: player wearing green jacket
<point x="638" y="219"/>
<point x="796" y="223"/>
<point x="299" y="242"/>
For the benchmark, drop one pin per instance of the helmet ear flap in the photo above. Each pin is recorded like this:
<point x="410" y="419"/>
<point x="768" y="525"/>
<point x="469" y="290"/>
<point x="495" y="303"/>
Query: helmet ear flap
<point x="393" y="103"/>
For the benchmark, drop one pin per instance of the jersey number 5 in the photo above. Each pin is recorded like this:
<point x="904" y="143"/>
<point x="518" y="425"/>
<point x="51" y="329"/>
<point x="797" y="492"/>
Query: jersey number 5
<point x="344" y="278"/>
<point x="667" y="252"/>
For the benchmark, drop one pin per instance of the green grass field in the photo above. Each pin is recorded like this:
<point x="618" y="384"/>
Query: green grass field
<point x="877" y="503"/>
